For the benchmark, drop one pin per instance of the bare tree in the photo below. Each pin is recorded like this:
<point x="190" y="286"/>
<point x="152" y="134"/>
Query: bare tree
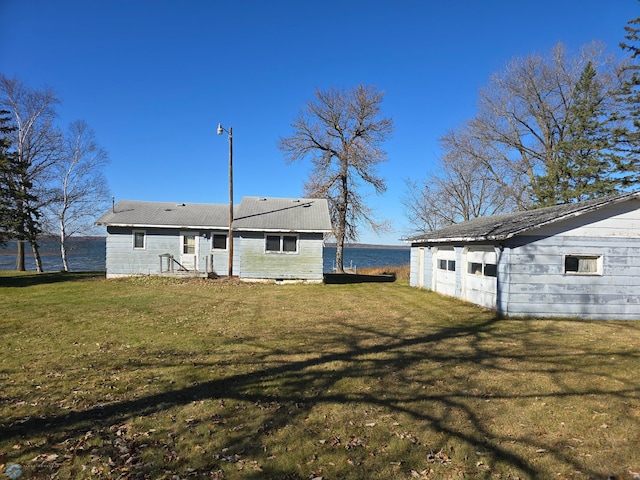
<point x="493" y="162"/>
<point x="342" y="132"/>
<point x="36" y="142"/>
<point x="522" y="115"/>
<point x="80" y="190"/>
<point x="460" y="188"/>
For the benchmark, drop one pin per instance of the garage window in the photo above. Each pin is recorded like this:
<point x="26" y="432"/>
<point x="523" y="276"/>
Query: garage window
<point x="583" y="264"/>
<point x="486" y="269"/>
<point x="447" y="265"/>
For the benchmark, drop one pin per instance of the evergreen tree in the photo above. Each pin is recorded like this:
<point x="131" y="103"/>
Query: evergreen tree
<point x="7" y="172"/>
<point x="17" y="219"/>
<point x="588" y="164"/>
<point x="626" y="118"/>
<point x="585" y="166"/>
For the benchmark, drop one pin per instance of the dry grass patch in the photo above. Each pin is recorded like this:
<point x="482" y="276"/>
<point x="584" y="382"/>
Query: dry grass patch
<point x="153" y="378"/>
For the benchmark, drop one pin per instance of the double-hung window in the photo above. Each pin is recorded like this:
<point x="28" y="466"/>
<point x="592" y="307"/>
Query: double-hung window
<point x="189" y="244"/>
<point x="139" y="240"/>
<point x="281" y="244"/>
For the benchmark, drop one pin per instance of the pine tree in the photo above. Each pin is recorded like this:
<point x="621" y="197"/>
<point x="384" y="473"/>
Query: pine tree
<point x="17" y="219"/>
<point x="626" y="118"/>
<point x="7" y="171"/>
<point x="588" y="164"/>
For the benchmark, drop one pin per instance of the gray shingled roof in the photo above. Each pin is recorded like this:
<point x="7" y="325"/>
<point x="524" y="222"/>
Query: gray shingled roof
<point x="502" y="227"/>
<point x="253" y="213"/>
<point x="283" y="214"/>
<point x="132" y="213"/>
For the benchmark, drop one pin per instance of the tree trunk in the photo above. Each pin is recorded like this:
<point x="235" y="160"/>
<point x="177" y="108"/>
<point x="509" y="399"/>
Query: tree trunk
<point x="339" y="253"/>
<point x="20" y="257"/>
<point x="36" y="256"/>
<point x="63" y="248"/>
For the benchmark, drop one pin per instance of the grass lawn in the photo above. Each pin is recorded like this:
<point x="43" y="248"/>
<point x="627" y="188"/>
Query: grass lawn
<point x="156" y="378"/>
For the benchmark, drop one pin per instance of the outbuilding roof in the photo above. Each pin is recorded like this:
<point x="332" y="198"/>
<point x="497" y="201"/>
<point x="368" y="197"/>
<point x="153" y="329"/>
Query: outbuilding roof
<point x="502" y="227"/>
<point x="253" y="213"/>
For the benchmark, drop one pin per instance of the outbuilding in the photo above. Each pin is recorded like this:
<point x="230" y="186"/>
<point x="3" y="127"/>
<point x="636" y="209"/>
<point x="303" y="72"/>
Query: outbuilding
<point x="572" y="260"/>
<point x="274" y="238"/>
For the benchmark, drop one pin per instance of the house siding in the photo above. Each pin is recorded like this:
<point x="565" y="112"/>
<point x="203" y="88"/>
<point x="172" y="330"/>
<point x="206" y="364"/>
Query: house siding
<point x="123" y="260"/>
<point x="305" y="264"/>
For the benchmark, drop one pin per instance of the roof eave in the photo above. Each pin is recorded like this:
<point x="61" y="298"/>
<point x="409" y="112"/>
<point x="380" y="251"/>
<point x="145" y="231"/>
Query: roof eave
<point x="489" y="238"/>
<point x="152" y="225"/>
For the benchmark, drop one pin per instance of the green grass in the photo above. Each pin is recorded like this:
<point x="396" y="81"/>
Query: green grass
<point x="156" y="378"/>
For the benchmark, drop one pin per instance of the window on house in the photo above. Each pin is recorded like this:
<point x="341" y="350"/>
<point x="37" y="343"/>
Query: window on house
<point x="289" y="243"/>
<point x="442" y="264"/>
<point x="281" y="243"/>
<point x="583" y="264"/>
<point x="189" y="244"/>
<point x="139" y="239"/>
<point x="219" y="242"/>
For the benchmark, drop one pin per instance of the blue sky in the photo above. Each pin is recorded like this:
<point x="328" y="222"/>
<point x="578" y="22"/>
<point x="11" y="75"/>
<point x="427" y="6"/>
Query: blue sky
<point x="154" y="78"/>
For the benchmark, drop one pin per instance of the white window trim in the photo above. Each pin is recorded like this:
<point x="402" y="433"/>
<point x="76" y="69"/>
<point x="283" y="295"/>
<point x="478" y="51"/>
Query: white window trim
<point x="281" y="251"/>
<point x="483" y="269"/>
<point x="144" y="239"/>
<point x="195" y="244"/>
<point x="226" y="243"/>
<point x="599" y="263"/>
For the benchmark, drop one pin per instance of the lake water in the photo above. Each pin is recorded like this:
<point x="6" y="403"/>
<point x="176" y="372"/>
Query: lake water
<point x="88" y="254"/>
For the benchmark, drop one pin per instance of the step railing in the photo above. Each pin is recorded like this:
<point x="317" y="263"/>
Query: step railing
<point x="170" y="261"/>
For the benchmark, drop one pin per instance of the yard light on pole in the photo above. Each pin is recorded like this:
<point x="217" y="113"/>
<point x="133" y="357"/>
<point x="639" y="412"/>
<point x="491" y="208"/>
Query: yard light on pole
<point x="220" y="131"/>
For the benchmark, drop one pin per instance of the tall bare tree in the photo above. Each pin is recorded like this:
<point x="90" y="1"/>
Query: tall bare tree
<point x="524" y="126"/>
<point x="524" y="114"/>
<point x="459" y="188"/>
<point x="342" y="132"/>
<point x="36" y="142"/>
<point x="79" y="187"/>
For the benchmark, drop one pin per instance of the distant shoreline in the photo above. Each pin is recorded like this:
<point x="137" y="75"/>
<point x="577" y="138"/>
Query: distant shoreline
<point x="370" y="245"/>
<point x="328" y="244"/>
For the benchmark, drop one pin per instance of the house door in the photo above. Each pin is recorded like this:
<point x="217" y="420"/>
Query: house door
<point x="189" y="250"/>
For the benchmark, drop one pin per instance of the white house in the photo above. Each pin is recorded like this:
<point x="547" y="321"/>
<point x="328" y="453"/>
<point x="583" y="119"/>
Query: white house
<point x="274" y="238"/>
<point x="573" y="260"/>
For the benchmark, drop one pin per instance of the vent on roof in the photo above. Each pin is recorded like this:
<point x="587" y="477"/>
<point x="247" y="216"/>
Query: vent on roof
<point x="297" y="200"/>
<point x="262" y="199"/>
<point x="167" y="209"/>
<point x="181" y="205"/>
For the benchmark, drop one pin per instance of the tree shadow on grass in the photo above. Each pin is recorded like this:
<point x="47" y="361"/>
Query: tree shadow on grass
<point x="346" y="278"/>
<point x="33" y="279"/>
<point x="310" y="379"/>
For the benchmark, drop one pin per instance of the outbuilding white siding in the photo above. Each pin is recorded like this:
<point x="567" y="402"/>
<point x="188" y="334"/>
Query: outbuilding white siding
<point x="585" y="265"/>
